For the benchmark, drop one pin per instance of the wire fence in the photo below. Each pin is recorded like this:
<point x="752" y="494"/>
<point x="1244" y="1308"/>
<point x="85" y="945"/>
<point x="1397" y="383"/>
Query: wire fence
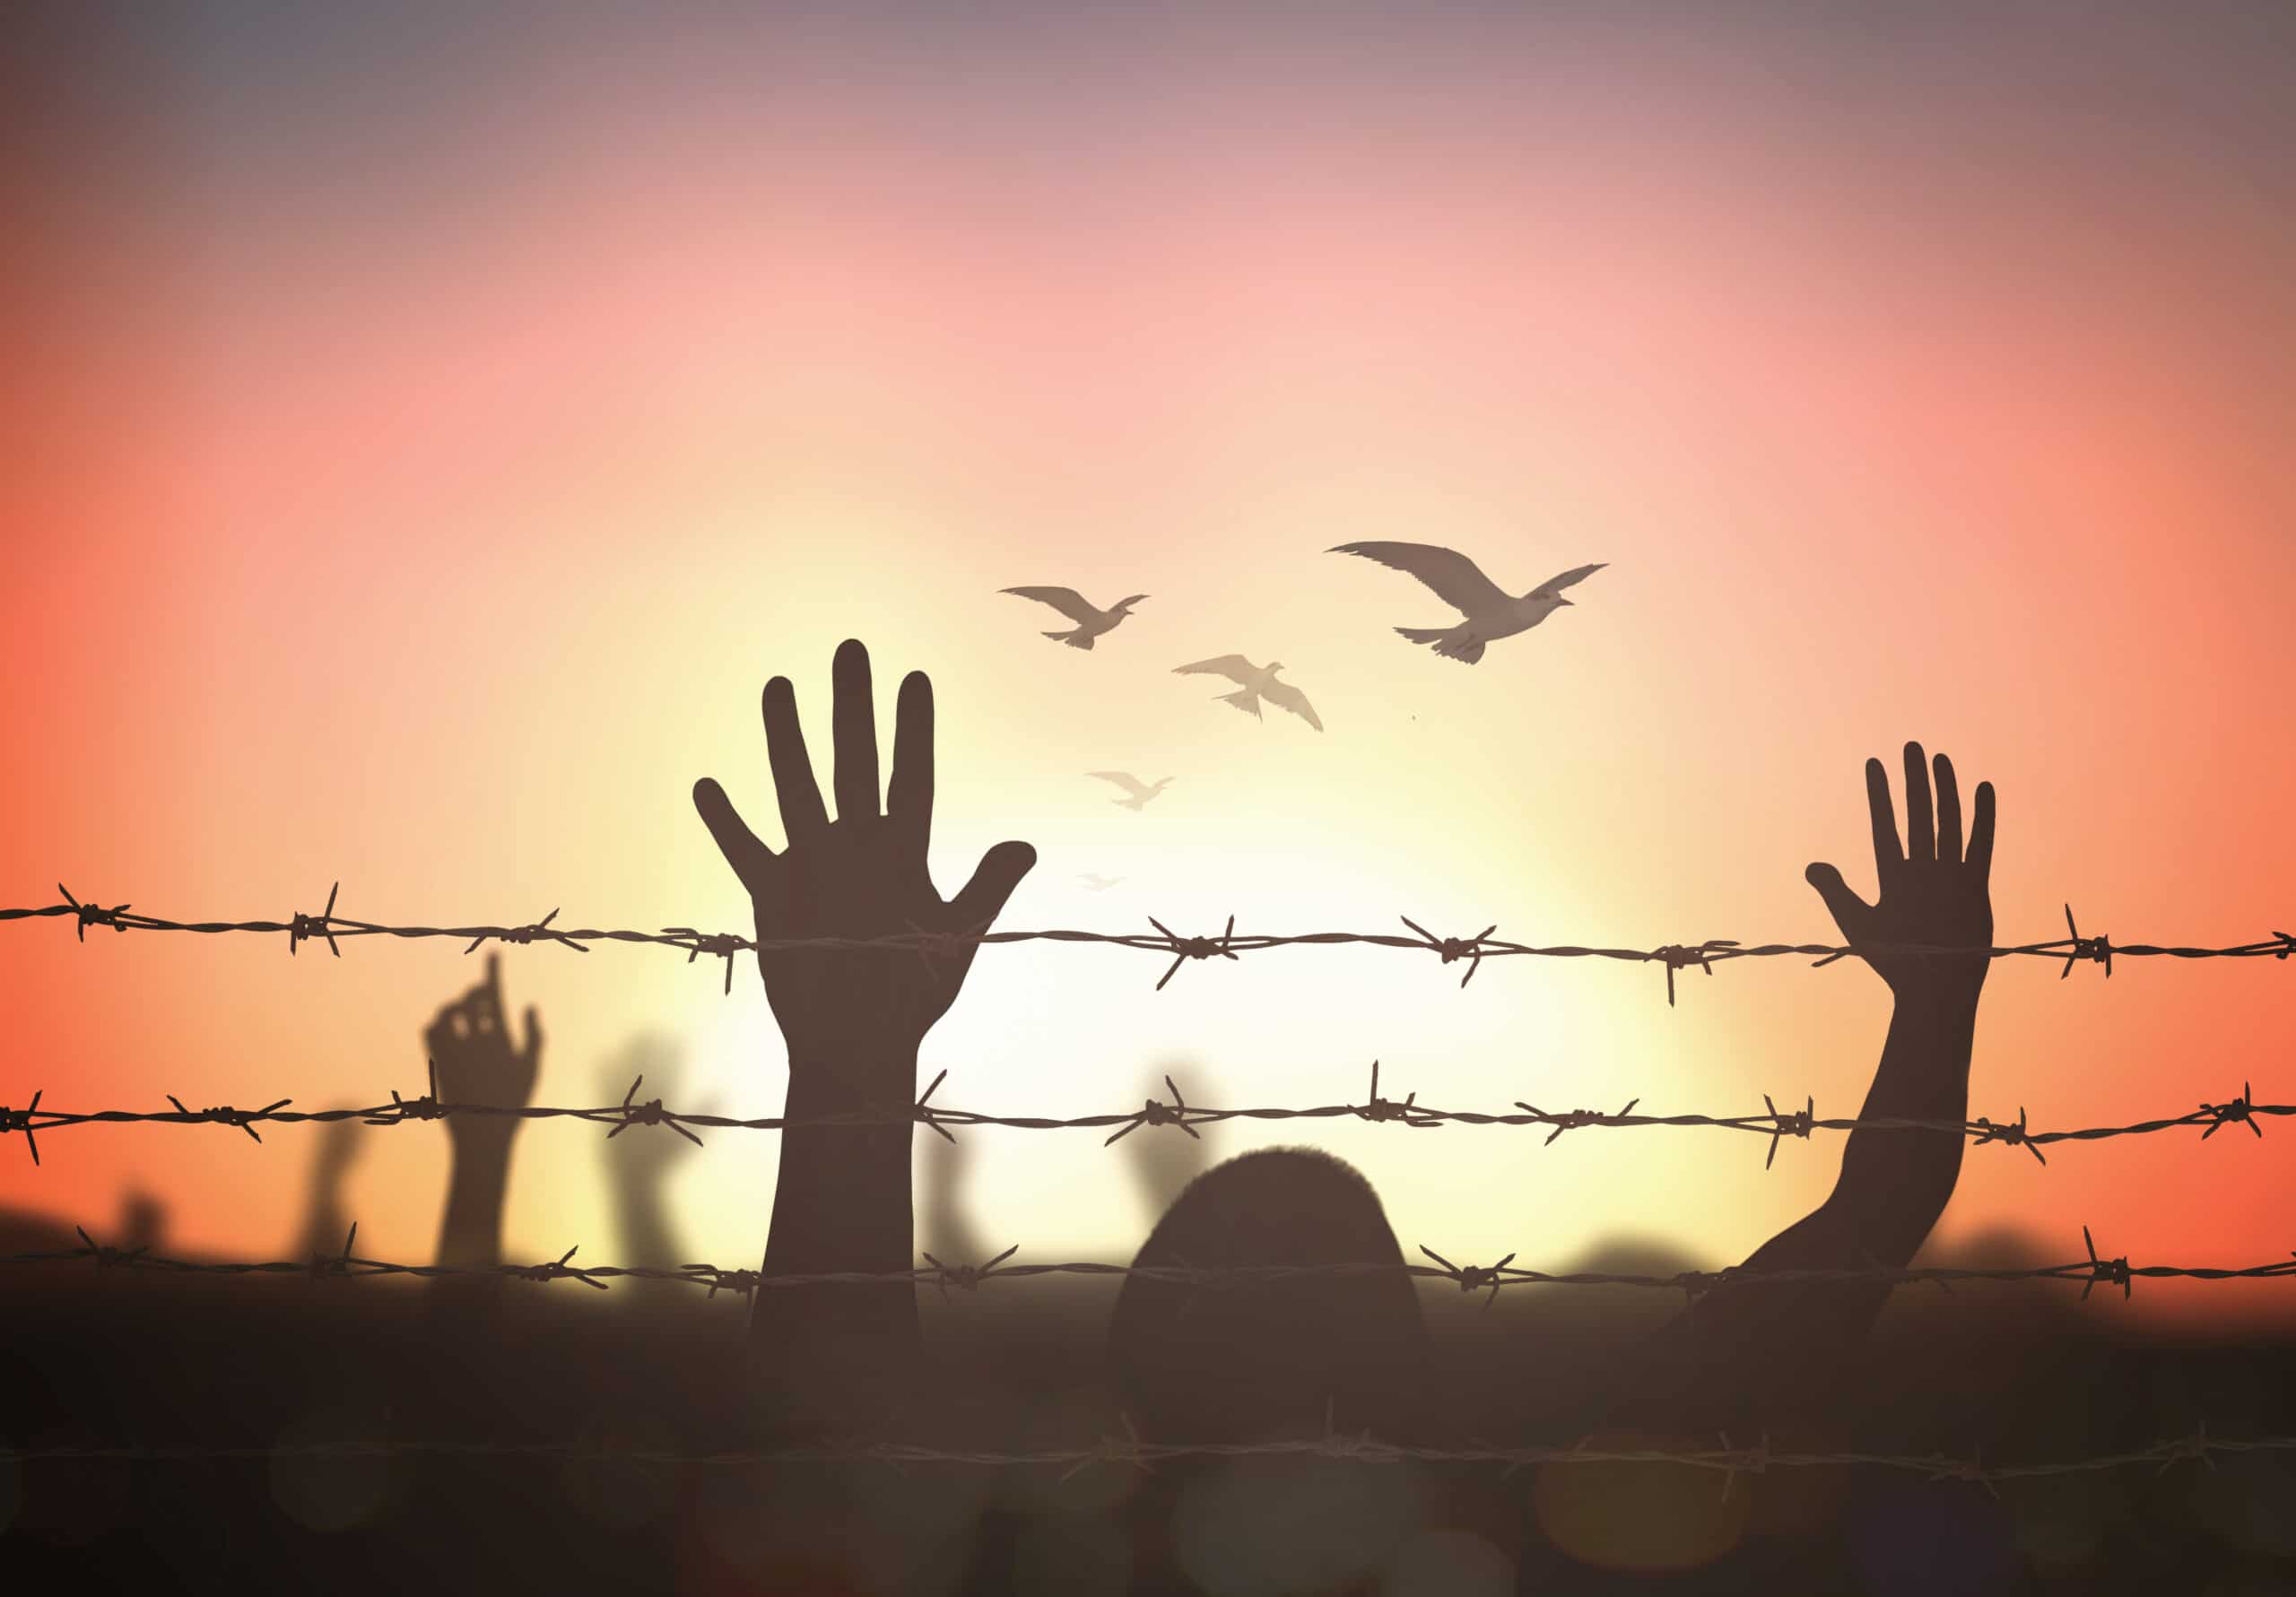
<point x="2092" y="1272"/>
<point x="328" y="928"/>
<point x="1773" y="1123"/>
<point x="1128" y="1450"/>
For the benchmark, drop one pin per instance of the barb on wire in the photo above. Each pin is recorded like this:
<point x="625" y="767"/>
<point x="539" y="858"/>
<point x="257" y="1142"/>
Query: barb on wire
<point x="2112" y="1273"/>
<point x="553" y="1269"/>
<point x="1469" y="948"/>
<point x="2240" y="1111"/>
<point x="1184" y="949"/>
<point x="224" y="1114"/>
<point x="329" y="1266"/>
<point x="968" y="1277"/>
<point x="24" y="1120"/>
<point x="649" y="1113"/>
<point x="722" y="945"/>
<point x="1378" y="1108"/>
<point x="301" y="928"/>
<point x="92" y="914"/>
<point x="522" y="935"/>
<point x="2098" y="948"/>
<point x="1151" y="1113"/>
<point x="1676" y="957"/>
<point x="2017" y="1134"/>
<point x="1571" y="1120"/>
<point x="1787" y="1125"/>
<point x="1473" y="1278"/>
<point x="400" y="1110"/>
<point x="105" y="1257"/>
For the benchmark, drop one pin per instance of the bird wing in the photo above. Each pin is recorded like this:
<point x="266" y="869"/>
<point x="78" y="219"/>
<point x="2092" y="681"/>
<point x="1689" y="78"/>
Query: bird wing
<point x="1290" y="698"/>
<point x="1456" y="580"/>
<point x="1553" y="586"/>
<point x="1124" y="779"/>
<point x="1067" y="601"/>
<point x="1234" y="667"/>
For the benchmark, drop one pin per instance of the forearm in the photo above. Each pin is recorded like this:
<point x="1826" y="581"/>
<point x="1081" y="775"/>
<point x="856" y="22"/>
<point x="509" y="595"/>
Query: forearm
<point x="471" y="1233"/>
<point x="1894" y="1183"/>
<point x="841" y="1203"/>
<point x="645" y="1226"/>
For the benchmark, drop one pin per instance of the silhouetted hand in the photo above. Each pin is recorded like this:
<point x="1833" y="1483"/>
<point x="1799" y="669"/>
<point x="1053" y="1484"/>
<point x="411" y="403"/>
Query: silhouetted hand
<point x="1931" y="892"/>
<point x="470" y="1043"/>
<point x="862" y="875"/>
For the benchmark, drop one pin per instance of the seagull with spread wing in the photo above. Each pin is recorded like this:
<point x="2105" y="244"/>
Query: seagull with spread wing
<point x="1458" y="582"/>
<point x="1257" y="682"/>
<point x="1090" y="622"/>
<point x="1141" y="792"/>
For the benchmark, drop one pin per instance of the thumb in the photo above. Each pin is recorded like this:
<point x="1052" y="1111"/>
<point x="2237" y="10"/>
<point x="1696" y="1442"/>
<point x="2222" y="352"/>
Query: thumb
<point x="534" y="1035"/>
<point x="1000" y="871"/>
<point x="1851" y="912"/>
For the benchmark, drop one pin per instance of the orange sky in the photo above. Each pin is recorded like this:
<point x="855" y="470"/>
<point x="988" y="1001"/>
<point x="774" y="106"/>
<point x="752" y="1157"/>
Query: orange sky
<point x="424" y="468"/>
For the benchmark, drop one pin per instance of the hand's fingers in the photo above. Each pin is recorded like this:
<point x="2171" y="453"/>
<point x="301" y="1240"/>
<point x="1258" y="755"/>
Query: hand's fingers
<point x="487" y="1001"/>
<point x="909" y="800"/>
<point x="854" y="725"/>
<point x="802" y="815"/>
<point x="992" y="881"/>
<point x="1949" y="812"/>
<point x="1887" y="855"/>
<point x="532" y="1052"/>
<point x="1850" y="911"/>
<point x="1920" y="824"/>
<point x="750" y="858"/>
<point x="1981" y="855"/>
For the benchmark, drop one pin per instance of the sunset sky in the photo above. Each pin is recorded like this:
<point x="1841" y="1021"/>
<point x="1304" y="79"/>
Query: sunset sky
<point x="428" y="435"/>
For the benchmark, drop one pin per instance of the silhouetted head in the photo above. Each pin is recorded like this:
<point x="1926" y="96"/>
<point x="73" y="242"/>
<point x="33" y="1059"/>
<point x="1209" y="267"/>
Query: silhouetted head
<point x="1273" y="666"/>
<point x="1125" y="604"/>
<point x="1236" y="1359"/>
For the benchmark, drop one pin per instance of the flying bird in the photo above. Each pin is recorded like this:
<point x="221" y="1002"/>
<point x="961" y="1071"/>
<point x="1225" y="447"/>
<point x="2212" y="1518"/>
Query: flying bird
<point x="1090" y="622"/>
<point x="1140" y="790"/>
<point x="1258" y="682"/>
<point x="1459" y="582"/>
<point x="1098" y="882"/>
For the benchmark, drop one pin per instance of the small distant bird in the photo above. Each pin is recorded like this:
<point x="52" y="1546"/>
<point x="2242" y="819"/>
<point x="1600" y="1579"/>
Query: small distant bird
<point x="1458" y="582"/>
<point x="1140" y="790"/>
<point x="1090" y="622"/>
<point x="1097" y="882"/>
<point x="1258" y="682"/>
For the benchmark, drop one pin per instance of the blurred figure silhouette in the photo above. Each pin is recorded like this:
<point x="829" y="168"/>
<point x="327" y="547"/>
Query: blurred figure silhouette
<point x="853" y="1023"/>
<point x="470" y="1044"/>
<point x="1244" y="1359"/>
<point x="326" y="1223"/>
<point x="142" y="1221"/>
<point x="641" y="1160"/>
<point x="946" y="1226"/>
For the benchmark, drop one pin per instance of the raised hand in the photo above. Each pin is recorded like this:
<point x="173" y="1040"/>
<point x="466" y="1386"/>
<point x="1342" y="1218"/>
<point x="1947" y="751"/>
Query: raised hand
<point x="478" y="1063"/>
<point x="1932" y="893"/>
<point x="862" y="875"/>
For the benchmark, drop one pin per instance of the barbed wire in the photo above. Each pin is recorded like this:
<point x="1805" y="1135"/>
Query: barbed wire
<point x="1127" y="1450"/>
<point x="2092" y="1271"/>
<point x="330" y="928"/>
<point x="1772" y="1122"/>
